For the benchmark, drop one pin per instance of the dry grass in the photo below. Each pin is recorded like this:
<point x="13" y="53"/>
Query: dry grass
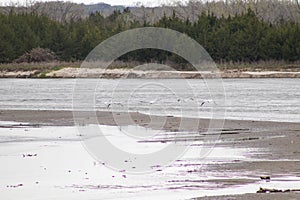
<point x="42" y="67"/>
<point x="241" y="66"/>
<point x="261" y="66"/>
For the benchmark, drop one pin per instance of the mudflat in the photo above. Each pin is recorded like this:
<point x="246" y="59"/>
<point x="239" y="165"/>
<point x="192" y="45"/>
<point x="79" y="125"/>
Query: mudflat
<point x="276" y="144"/>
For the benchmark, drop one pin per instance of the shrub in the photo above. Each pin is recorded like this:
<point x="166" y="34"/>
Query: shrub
<point x="37" y="55"/>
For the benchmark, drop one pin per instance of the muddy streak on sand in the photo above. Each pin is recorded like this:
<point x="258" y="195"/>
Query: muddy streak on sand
<point x="281" y="136"/>
<point x="65" y="118"/>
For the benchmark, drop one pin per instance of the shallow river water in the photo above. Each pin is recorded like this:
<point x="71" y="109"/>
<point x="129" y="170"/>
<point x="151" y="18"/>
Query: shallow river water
<point x="252" y="99"/>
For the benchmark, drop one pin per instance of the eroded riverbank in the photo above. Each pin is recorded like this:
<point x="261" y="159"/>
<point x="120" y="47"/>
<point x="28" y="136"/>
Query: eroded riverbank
<point x="115" y="74"/>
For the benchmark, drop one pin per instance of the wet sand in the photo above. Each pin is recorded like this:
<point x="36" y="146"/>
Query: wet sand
<point x="292" y="196"/>
<point x="276" y="144"/>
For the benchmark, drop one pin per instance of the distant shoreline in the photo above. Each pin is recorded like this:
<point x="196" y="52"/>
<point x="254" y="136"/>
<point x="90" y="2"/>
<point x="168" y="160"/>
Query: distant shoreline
<point x="125" y="73"/>
<point x="119" y="69"/>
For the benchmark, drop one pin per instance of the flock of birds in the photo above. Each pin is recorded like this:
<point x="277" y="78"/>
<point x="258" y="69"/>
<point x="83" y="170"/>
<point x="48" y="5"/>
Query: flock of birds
<point x="201" y="104"/>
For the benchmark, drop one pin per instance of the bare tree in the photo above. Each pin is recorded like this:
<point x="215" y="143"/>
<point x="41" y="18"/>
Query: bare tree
<point x="298" y="5"/>
<point x="60" y="11"/>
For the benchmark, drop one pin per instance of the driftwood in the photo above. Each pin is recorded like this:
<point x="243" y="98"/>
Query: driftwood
<point x="265" y="178"/>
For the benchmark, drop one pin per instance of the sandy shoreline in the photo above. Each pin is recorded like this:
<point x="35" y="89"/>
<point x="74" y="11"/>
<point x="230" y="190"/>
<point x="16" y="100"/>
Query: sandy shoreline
<point x="119" y="73"/>
<point x="279" y="142"/>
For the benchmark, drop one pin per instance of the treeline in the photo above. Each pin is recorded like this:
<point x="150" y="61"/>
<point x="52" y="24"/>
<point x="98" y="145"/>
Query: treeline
<point x="242" y="37"/>
<point x="273" y="11"/>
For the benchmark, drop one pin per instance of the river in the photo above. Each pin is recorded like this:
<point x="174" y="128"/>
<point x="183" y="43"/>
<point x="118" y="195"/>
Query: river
<point x="246" y="99"/>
